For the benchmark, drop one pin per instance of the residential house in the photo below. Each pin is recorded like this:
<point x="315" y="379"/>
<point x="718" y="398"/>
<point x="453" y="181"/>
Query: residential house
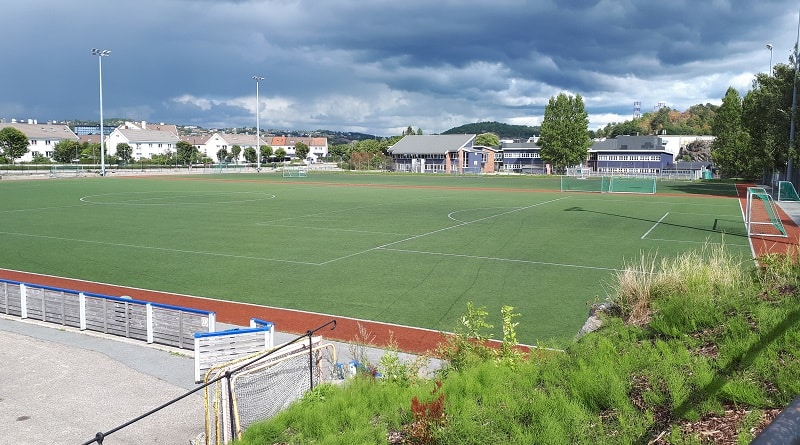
<point x="226" y="141"/>
<point x="317" y="146"/>
<point x="143" y="141"/>
<point x="42" y="138"/>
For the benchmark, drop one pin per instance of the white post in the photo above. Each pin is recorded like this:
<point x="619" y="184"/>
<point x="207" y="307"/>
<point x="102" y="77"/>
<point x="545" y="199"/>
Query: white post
<point x="149" y="311"/>
<point x="82" y="309"/>
<point x="258" y="129"/>
<point x="23" y="300"/>
<point x="100" y="53"/>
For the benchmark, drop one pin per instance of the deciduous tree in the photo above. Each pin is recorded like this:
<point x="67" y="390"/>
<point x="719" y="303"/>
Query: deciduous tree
<point x="65" y="151"/>
<point x="487" y="139"/>
<point x="13" y="143"/>
<point x="766" y="115"/>
<point x="222" y="155"/>
<point x="280" y="153"/>
<point x="564" y="134"/>
<point x="235" y="152"/>
<point x="266" y="152"/>
<point x="250" y="155"/>
<point x="729" y="150"/>
<point x="124" y="152"/>
<point x="187" y="153"/>
<point x="301" y="150"/>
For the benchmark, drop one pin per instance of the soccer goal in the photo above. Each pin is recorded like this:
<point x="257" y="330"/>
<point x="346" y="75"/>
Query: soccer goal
<point x="787" y="192"/>
<point x="263" y="388"/>
<point x="761" y="216"/>
<point x="295" y="172"/>
<point x="64" y="170"/>
<point x="624" y="184"/>
<point x="597" y="184"/>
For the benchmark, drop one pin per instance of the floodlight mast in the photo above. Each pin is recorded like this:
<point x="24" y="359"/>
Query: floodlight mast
<point x="258" y="129"/>
<point x="769" y="47"/>
<point x="100" y="53"/>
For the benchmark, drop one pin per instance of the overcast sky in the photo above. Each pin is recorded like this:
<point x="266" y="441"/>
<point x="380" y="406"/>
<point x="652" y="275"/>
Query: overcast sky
<point x="377" y="66"/>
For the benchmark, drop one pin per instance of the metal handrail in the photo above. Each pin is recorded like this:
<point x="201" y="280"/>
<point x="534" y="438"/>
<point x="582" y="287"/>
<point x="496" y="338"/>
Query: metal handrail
<point x="100" y="436"/>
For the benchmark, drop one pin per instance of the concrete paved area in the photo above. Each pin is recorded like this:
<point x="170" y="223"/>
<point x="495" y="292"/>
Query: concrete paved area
<point x="62" y="386"/>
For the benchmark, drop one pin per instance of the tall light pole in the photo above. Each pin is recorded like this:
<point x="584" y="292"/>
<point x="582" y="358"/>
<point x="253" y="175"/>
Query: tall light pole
<point x="769" y="47"/>
<point x="258" y="129"/>
<point x="789" y="169"/>
<point x="100" y="53"/>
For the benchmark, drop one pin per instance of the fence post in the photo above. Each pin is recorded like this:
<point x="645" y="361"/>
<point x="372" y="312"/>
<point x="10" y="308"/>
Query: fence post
<point x="231" y="405"/>
<point x="82" y="309"/>
<point x="149" y="311"/>
<point x="23" y="300"/>
<point x="310" y="360"/>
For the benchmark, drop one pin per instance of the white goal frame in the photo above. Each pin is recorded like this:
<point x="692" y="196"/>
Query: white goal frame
<point x="761" y="215"/>
<point x="295" y="172"/>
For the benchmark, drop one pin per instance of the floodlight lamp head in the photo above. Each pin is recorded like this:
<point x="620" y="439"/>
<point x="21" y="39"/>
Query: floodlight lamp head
<point x="769" y="46"/>
<point x="101" y="52"/>
<point x="258" y="78"/>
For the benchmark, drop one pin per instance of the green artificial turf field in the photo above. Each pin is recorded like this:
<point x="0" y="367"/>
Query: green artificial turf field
<point x="407" y="249"/>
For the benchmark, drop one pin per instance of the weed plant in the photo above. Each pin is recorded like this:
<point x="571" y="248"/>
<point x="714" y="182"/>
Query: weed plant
<point x="702" y="334"/>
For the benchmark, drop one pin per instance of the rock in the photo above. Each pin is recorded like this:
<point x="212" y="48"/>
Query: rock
<point x="594" y="322"/>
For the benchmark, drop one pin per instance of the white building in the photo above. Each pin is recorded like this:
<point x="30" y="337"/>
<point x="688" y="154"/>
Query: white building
<point x="317" y="146"/>
<point x="144" y="142"/>
<point x="219" y="141"/>
<point x="42" y="138"/>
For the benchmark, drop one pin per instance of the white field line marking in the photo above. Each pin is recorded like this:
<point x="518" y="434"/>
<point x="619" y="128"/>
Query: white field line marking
<point x="654" y="226"/>
<point x="172" y="195"/>
<point x="162" y="249"/>
<point x="511" y="260"/>
<point x="695" y="242"/>
<point x="35" y="209"/>
<point x="443" y="229"/>
<point x="450" y="215"/>
<point x="331" y="229"/>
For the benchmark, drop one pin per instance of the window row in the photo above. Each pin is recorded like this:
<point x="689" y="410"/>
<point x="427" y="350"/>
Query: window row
<point x="628" y="170"/>
<point x="654" y="158"/>
<point x="520" y="155"/>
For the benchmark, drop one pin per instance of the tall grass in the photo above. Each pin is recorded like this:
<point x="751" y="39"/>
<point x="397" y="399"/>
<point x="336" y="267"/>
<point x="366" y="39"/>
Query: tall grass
<point x="699" y="279"/>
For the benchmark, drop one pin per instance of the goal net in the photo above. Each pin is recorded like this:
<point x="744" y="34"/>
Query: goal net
<point x="62" y="170"/>
<point x="598" y="184"/>
<point x="761" y="216"/>
<point x="606" y="184"/>
<point x="295" y="172"/>
<point x="262" y="388"/>
<point x="622" y="184"/>
<point x="787" y="192"/>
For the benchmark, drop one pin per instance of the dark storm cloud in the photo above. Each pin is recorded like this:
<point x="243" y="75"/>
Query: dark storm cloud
<point x="378" y="66"/>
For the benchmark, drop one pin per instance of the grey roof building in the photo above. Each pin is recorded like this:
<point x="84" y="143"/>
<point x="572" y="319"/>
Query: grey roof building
<point x="42" y="138"/>
<point x="428" y="144"/>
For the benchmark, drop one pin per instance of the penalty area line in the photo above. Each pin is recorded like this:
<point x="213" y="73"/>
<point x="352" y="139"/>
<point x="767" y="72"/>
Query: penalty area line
<point x="654" y="226"/>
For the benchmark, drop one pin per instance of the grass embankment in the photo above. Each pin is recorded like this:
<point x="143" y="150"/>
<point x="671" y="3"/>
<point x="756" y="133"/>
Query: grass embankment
<point x="701" y="339"/>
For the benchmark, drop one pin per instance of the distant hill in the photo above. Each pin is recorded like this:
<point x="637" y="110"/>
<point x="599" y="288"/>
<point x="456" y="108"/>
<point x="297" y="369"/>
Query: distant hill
<point x="503" y="131"/>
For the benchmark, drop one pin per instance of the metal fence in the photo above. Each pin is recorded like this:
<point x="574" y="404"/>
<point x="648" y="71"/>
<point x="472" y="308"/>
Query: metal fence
<point x="121" y="316"/>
